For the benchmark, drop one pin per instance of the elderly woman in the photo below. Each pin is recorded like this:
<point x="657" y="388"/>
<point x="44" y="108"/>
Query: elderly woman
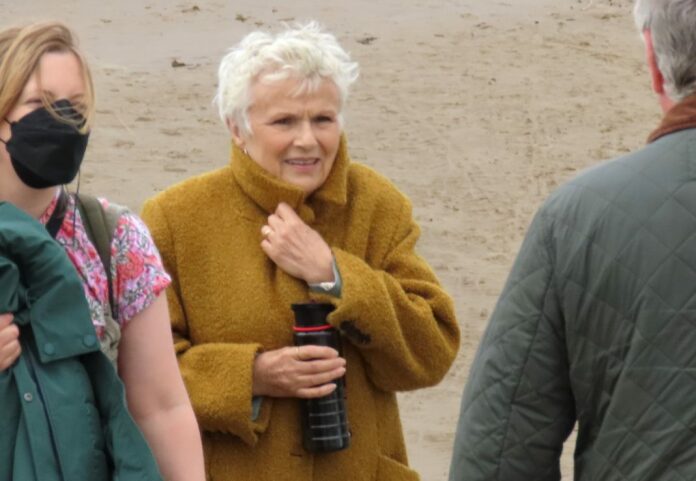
<point x="291" y="218"/>
<point x="46" y="107"/>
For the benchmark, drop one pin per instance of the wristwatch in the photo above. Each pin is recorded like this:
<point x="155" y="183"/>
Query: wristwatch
<point x="332" y="288"/>
<point x="323" y="286"/>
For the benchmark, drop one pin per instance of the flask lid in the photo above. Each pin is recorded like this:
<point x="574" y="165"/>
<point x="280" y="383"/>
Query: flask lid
<point x="312" y="314"/>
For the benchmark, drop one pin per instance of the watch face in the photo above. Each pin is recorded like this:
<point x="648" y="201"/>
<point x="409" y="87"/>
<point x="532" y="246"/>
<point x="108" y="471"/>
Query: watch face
<point x="324" y="286"/>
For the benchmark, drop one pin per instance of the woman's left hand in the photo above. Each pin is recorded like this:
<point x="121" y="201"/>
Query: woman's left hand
<point x="295" y="247"/>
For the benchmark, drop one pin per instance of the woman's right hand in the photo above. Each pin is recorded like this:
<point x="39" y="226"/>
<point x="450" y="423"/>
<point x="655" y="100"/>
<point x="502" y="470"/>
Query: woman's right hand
<point x="302" y="372"/>
<point x="9" y="341"/>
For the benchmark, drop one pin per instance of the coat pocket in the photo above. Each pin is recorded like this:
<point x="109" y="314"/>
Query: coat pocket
<point x="390" y="470"/>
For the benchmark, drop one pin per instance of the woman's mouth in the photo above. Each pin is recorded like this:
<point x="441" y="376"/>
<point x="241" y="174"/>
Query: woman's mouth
<point x="302" y="162"/>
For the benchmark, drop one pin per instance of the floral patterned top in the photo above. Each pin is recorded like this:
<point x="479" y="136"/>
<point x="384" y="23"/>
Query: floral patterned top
<point x="137" y="274"/>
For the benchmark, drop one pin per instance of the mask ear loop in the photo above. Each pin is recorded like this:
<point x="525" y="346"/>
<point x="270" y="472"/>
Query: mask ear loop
<point x="10" y="124"/>
<point x="74" y="214"/>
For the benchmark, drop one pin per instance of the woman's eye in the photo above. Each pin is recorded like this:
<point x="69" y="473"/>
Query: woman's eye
<point x="324" y="119"/>
<point x="283" y="121"/>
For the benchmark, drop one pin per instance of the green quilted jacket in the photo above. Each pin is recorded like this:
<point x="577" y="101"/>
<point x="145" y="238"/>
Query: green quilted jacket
<point x="63" y="415"/>
<point x="595" y="325"/>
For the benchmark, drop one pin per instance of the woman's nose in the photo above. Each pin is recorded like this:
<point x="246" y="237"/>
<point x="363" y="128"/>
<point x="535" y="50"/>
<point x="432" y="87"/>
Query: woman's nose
<point x="305" y="136"/>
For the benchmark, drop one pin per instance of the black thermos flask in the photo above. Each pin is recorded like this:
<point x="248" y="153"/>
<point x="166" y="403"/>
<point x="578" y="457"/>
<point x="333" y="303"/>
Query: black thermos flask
<point x="324" y="421"/>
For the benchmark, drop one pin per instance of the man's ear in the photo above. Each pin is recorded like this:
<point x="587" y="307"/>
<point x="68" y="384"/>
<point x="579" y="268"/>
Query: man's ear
<point x="236" y="133"/>
<point x="658" y="81"/>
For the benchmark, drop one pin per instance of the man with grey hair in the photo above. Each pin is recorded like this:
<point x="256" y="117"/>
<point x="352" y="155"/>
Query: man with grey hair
<point x="597" y="321"/>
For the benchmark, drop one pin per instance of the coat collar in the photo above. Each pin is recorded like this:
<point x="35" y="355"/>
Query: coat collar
<point x="680" y="117"/>
<point x="268" y="191"/>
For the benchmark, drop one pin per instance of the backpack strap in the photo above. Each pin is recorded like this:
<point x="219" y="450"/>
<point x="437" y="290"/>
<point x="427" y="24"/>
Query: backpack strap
<point x="100" y="225"/>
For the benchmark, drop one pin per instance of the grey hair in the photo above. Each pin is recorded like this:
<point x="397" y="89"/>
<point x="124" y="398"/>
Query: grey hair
<point x="672" y="25"/>
<point x="307" y="51"/>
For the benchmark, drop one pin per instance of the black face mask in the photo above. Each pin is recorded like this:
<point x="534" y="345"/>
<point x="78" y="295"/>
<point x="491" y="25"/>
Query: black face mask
<point x="44" y="151"/>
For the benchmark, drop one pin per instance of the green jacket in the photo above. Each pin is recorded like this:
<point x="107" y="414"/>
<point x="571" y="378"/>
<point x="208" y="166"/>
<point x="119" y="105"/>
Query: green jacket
<point x="596" y="324"/>
<point x="64" y="416"/>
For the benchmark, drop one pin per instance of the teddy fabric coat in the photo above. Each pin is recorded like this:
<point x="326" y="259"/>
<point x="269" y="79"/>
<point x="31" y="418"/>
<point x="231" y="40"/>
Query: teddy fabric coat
<point x="596" y="324"/>
<point x="229" y="301"/>
<point x="64" y="415"/>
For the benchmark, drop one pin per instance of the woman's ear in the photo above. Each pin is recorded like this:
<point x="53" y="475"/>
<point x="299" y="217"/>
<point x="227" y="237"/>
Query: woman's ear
<point x="236" y="133"/>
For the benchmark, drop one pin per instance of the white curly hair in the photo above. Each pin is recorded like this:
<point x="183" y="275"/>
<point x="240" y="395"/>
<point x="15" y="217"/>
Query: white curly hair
<point x="307" y="52"/>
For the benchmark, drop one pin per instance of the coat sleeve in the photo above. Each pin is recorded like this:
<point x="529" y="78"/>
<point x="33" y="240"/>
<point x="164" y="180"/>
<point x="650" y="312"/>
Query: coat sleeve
<point x="396" y="313"/>
<point x="218" y="376"/>
<point x="518" y="408"/>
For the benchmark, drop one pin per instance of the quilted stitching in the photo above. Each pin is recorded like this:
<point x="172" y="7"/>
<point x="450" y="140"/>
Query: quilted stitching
<point x="597" y="322"/>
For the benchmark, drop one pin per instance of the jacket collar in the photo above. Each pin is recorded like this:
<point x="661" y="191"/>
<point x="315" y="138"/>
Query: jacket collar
<point x="268" y="191"/>
<point x="680" y="117"/>
<point x="39" y="284"/>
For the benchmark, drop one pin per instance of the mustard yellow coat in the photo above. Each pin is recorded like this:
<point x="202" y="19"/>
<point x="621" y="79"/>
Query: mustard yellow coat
<point x="228" y="301"/>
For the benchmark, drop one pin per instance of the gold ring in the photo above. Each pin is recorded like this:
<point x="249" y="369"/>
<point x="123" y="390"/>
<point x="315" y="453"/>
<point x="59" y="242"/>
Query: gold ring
<point x="266" y="230"/>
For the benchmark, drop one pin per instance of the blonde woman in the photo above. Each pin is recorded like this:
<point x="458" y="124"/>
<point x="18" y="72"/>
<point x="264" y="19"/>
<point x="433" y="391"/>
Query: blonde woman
<point x="46" y="109"/>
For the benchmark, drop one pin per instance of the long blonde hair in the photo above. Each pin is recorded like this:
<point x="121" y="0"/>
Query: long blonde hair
<point x="21" y="49"/>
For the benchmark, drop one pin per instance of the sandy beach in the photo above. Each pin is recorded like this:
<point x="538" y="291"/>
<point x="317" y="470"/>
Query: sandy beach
<point x="476" y="110"/>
